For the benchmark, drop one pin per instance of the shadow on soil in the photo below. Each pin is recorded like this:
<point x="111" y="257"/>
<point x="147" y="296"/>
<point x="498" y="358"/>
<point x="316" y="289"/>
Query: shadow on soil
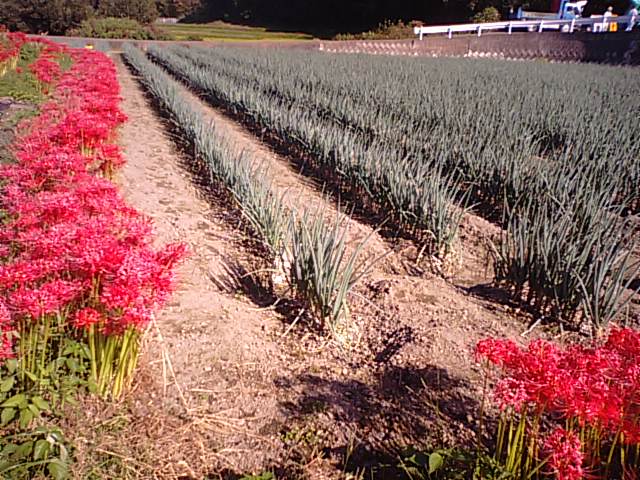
<point x="401" y="407"/>
<point x="493" y="293"/>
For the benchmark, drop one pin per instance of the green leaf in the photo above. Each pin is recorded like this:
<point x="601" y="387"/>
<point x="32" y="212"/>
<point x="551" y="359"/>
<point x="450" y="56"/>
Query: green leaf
<point x="5" y="466"/>
<point x="34" y="410"/>
<point x="41" y="450"/>
<point x="25" y="417"/>
<point x="14" y="401"/>
<point x="11" y="365"/>
<point x="23" y="451"/>
<point x="419" y="459"/>
<point x="7" y="384"/>
<point x="55" y="436"/>
<point x="40" y="402"/>
<point x="58" y="470"/>
<point x="64" y="453"/>
<point x="93" y="386"/>
<point x="7" y="415"/>
<point x="72" y="364"/>
<point x="9" y="449"/>
<point x="435" y="462"/>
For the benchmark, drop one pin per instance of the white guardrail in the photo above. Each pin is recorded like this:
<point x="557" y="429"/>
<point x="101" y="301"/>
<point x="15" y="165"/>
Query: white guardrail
<point x="597" y="24"/>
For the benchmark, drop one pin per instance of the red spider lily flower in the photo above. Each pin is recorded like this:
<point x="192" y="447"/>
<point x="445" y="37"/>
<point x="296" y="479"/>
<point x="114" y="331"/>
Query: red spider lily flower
<point x="498" y="352"/>
<point x="86" y="317"/>
<point x="24" y="272"/>
<point x="6" y="345"/>
<point x="137" y="316"/>
<point x="49" y="298"/>
<point x="45" y="69"/>
<point x="565" y="456"/>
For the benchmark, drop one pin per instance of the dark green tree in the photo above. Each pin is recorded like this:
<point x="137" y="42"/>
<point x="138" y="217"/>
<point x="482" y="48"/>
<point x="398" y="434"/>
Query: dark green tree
<point x="176" y="8"/>
<point x="350" y="15"/>
<point x="144" y="11"/>
<point x="44" y="16"/>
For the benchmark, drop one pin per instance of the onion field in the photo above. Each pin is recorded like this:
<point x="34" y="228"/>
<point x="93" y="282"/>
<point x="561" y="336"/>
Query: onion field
<point x="255" y="263"/>
<point x="549" y="152"/>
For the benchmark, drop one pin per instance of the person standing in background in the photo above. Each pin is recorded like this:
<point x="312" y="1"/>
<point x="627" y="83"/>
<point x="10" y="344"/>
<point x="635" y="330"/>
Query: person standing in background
<point x="633" y="13"/>
<point x="607" y="26"/>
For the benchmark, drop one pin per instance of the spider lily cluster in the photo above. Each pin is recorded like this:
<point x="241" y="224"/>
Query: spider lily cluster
<point x="573" y="412"/>
<point x="45" y="68"/>
<point x="75" y="260"/>
<point x="10" y="45"/>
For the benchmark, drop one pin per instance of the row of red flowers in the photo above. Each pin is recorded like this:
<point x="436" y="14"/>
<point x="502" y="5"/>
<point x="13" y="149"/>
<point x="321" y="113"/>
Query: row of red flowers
<point x="70" y="247"/>
<point x="10" y="45"/>
<point x="46" y="69"/>
<point x="586" y="397"/>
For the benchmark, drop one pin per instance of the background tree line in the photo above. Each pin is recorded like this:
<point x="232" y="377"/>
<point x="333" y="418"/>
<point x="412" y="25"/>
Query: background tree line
<point x="350" y="15"/>
<point x="357" y="15"/>
<point x="316" y="16"/>
<point x="58" y="16"/>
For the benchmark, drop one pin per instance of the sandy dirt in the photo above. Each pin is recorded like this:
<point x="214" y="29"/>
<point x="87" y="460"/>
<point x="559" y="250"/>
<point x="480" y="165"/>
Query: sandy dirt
<point x="241" y="397"/>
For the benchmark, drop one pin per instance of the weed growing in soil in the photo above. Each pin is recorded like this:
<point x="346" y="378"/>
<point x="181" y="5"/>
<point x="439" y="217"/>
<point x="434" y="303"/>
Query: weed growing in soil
<point x="38" y="396"/>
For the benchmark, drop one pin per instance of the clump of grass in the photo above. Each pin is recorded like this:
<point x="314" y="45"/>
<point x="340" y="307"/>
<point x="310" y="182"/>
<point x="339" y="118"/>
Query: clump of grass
<point x="265" y="213"/>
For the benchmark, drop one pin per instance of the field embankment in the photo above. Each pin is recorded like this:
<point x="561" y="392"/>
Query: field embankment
<point x="610" y="48"/>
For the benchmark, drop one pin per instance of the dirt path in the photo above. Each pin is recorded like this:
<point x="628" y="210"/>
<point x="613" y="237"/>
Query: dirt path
<point x="217" y="340"/>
